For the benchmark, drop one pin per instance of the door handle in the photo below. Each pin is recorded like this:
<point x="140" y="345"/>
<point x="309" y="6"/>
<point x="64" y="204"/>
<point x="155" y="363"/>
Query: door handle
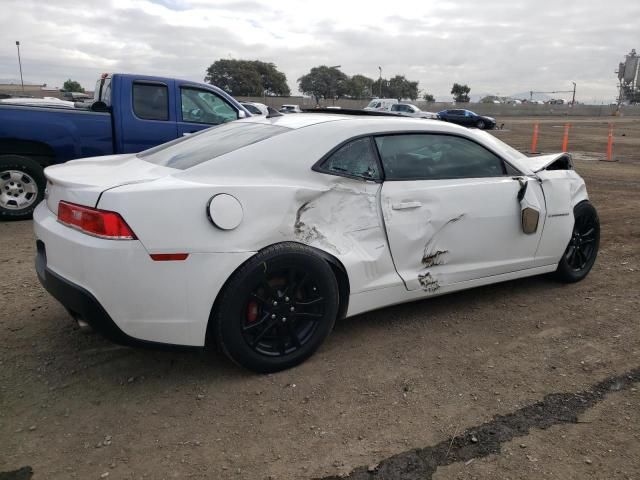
<point x="406" y="205"/>
<point x="186" y="134"/>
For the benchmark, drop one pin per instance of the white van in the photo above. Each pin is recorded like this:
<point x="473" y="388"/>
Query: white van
<point x="382" y="104"/>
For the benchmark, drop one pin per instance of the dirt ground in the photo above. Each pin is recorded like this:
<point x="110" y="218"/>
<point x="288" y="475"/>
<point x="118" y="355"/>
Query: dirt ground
<point x="526" y="379"/>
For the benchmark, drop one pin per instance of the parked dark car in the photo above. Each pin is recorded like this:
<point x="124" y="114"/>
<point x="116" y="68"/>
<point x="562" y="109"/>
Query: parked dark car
<point x="467" y="118"/>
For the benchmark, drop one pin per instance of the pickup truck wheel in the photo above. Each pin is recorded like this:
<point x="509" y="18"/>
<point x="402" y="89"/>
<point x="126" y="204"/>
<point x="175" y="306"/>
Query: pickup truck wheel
<point x="22" y="184"/>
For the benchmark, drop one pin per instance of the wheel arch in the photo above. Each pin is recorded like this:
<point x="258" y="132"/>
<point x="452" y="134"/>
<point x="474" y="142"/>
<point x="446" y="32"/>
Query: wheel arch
<point x="338" y="269"/>
<point x="38" y="151"/>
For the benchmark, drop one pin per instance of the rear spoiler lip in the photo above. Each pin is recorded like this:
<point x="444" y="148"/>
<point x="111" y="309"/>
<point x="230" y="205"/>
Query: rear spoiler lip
<point x="540" y="162"/>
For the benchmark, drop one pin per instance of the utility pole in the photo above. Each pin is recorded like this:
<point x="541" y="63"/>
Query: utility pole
<point x="380" y="83"/>
<point x="573" y="99"/>
<point x="20" y="63"/>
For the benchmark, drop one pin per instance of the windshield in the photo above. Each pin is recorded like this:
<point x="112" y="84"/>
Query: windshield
<point x="205" y="145"/>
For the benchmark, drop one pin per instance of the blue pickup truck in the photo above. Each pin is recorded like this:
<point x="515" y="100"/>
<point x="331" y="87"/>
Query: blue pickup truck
<point x="129" y="113"/>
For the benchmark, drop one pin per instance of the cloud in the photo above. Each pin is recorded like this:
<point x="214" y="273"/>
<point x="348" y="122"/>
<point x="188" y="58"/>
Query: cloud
<point x="495" y="47"/>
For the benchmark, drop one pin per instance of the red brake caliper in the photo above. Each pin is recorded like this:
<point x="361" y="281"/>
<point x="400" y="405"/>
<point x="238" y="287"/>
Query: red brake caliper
<point x="252" y="311"/>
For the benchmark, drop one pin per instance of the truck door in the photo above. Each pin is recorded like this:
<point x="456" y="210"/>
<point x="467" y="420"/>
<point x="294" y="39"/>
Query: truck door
<point x="145" y="114"/>
<point x="198" y="108"/>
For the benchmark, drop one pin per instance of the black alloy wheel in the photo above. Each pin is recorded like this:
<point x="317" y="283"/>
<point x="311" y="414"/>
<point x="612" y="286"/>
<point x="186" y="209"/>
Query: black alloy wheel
<point x="282" y="312"/>
<point x="276" y="309"/>
<point x="581" y="253"/>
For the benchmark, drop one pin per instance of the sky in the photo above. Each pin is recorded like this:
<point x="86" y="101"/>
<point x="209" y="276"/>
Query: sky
<point x="498" y="47"/>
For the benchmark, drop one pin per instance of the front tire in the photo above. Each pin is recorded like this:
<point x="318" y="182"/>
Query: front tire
<point x="581" y="253"/>
<point x="22" y="184"/>
<point x="277" y="309"/>
<point x="481" y="125"/>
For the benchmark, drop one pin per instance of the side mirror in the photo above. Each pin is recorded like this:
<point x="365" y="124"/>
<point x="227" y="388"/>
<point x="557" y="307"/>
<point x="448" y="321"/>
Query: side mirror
<point x="529" y="208"/>
<point x="242" y="114"/>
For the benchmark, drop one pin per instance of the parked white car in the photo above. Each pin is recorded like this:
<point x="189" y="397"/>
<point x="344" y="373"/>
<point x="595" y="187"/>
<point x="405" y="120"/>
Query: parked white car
<point x="381" y="104"/>
<point x="257" y="235"/>
<point x="290" y="109"/>
<point x="256" y="108"/>
<point x="410" y="110"/>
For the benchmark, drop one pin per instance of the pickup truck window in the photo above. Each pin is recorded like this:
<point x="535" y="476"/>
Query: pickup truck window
<point x="187" y="152"/>
<point x="151" y="101"/>
<point x="202" y="106"/>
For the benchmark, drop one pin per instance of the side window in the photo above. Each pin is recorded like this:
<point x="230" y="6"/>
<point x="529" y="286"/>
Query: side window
<point x="202" y="106"/>
<point x="435" y="157"/>
<point x="355" y="159"/>
<point x="151" y="101"/>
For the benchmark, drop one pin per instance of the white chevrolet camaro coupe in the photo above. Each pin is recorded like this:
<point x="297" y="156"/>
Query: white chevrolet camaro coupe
<point x="257" y="235"/>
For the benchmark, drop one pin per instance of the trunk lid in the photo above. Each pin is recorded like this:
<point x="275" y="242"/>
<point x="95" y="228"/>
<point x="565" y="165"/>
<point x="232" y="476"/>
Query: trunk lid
<point x="82" y="181"/>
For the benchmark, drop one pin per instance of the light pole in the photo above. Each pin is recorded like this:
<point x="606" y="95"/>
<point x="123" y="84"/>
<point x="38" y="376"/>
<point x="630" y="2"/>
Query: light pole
<point x="380" y="83"/>
<point x="573" y="99"/>
<point x="333" y="95"/>
<point x="20" y="64"/>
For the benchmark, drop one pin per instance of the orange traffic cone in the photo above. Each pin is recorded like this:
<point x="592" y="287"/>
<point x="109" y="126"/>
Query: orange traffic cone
<point x="534" y="140"/>
<point x="610" y="143"/>
<point x="565" y="138"/>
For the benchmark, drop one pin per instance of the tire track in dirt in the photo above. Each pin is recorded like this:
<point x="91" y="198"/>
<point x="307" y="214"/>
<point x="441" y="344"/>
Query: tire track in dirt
<point x="487" y="439"/>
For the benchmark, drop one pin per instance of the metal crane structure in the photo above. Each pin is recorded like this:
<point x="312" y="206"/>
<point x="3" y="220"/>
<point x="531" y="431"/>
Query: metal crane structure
<point x="573" y="98"/>
<point x="628" y="76"/>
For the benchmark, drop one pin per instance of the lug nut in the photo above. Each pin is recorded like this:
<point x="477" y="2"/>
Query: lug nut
<point x="275" y="304"/>
<point x="292" y="309"/>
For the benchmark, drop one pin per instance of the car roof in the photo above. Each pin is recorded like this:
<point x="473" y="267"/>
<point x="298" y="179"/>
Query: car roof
<point x="314" y="134"/>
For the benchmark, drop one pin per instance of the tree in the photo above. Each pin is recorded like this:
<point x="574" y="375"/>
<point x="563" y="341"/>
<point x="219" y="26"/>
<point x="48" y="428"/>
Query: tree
<point x="397" y="87"/>
<point x="250" y="78"/>
<point x="72" y="86"/>
<point x="400" y="87"/>
<point x="274" y="82"/>
<point x="360" y="87"/>
<point x="427" y="97"/>
<point x="460" y="93"/>
<point x="324" y="82"/>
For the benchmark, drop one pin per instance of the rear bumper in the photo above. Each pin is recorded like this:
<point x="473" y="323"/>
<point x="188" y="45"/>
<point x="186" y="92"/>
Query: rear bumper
<point x="78" y="301"/>
<point x="118" y="289"/>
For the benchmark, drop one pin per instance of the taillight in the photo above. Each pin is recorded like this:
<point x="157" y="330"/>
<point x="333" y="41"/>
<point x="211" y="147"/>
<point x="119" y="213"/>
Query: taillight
<point x="99" y="223"/>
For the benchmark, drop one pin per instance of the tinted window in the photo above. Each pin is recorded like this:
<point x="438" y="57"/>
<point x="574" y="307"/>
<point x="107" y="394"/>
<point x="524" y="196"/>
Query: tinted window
<point x="431" y="157"/>
<point x="151" y="101"/>
<point x="356" y="158"/>
<point x="252" y="109"/>
<point x="202" y="106"/>
<point x="186" y="152"/>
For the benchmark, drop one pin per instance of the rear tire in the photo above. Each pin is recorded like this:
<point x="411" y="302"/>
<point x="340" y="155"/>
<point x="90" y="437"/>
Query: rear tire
<point x="581" y="253"/>
<point x="276" y="309"/>
<point x="481" y="125"/>
<point x="22" y="185"/>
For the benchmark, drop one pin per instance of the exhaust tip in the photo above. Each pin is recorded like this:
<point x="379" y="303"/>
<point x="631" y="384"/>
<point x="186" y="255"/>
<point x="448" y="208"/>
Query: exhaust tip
<point x="84" y="326"/>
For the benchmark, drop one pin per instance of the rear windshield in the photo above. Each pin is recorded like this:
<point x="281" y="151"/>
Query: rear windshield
<point x="187" y="152"/>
